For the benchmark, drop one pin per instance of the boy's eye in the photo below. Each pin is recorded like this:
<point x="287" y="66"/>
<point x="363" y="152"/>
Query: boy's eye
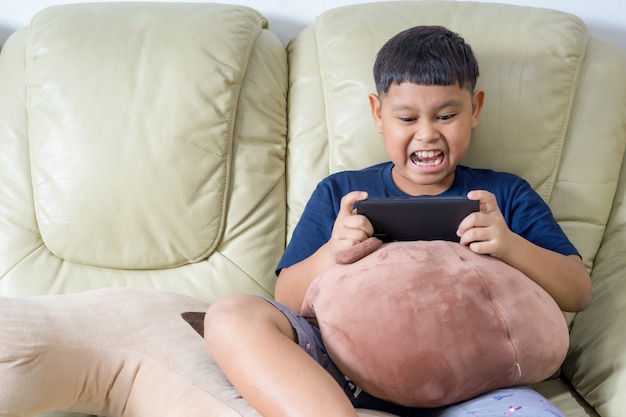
<point x="407" y="119"/>
<point x="445" y="117"/>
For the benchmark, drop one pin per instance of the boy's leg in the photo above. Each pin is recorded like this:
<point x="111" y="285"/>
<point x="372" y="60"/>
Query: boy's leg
<point x="254" y="344"/>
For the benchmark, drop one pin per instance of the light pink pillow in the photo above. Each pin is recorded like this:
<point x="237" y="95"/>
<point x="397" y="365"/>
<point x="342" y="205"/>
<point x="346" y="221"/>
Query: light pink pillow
<point x="426" y="324"/>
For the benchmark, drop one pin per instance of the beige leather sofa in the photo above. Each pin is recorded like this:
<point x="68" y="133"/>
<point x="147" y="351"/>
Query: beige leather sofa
<point x="156" y="156"/>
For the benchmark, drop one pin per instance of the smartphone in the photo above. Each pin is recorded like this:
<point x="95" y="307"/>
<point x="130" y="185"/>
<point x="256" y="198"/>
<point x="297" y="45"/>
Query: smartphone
<point x="416" y="218"/>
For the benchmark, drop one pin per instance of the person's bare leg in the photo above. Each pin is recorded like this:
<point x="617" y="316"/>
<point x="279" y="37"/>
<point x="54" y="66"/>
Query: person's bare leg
<point x="254" y="344"/>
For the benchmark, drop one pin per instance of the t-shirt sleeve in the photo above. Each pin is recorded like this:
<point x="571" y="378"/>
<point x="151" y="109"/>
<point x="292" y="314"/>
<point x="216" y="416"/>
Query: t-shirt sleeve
<point x="530" y="217"/>
<point x="314" y="227"/>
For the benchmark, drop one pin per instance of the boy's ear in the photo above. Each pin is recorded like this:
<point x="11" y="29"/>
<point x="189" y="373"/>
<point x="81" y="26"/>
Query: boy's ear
<point x="477" y="105"/>
<point x="376" y="115"/>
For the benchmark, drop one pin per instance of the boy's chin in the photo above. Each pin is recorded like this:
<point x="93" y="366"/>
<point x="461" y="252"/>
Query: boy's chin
<point x="425" y="184"/>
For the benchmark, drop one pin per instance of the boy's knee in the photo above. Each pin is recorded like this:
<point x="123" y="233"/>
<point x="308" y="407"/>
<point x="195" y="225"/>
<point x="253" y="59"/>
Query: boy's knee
<point x="222" y="319"/>
<point x="237" y="315"/>
<point x="226" y="311"/>
<point x="235" y="311"/>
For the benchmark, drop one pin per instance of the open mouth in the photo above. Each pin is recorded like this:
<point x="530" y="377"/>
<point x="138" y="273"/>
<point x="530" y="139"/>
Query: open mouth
<point x="427" y="158"/>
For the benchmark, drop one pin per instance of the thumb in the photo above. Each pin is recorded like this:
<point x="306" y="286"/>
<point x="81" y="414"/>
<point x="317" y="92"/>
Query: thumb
<point x="349" y="200"/>
<point x="488" y="202"/>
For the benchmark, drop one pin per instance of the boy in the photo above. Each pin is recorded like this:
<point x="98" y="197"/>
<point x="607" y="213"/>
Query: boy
<point x="426" y="107"/>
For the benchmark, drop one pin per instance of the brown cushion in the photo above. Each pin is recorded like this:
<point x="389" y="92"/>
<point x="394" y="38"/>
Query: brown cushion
<point x="426" y="324"/>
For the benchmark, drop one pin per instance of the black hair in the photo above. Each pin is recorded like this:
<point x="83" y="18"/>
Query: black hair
<point x="425" y="55"/>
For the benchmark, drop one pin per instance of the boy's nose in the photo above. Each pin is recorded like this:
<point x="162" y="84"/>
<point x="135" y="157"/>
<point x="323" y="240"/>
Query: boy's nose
<point x="426" y="132"/>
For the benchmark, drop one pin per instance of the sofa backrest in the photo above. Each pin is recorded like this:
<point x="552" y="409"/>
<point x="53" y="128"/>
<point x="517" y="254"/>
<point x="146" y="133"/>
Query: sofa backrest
<point x="553" y="112"/>
<point x="142" y="145"/>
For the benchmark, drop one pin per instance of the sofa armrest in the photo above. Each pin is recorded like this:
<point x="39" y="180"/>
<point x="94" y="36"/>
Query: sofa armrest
<point x="596" y="363"/>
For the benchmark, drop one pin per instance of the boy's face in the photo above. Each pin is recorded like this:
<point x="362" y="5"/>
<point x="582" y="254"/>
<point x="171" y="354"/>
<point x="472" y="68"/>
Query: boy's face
<point x="427" y="131"/>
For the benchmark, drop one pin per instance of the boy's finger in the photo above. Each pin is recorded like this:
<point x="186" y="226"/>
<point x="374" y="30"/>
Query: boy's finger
<point x="348" y="201"/>
<point x="488" y="202"/>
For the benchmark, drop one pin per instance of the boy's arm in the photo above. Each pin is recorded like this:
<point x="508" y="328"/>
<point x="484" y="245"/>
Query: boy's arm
<point x="349" y="229"/>
<point x="565" y="278"/>
<point x="294" y="281"/>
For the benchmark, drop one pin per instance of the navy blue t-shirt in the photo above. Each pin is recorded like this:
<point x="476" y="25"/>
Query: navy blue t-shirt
<point x="524" y="211"/>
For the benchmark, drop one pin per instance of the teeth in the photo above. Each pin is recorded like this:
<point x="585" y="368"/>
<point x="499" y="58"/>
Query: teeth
<point x="427" y="154"/>
<point x="427" y="158"/>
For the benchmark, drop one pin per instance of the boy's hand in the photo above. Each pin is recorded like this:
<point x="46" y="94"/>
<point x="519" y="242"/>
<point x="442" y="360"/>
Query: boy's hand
<point x="350" y="228"/>
<point x="485" y="231"/>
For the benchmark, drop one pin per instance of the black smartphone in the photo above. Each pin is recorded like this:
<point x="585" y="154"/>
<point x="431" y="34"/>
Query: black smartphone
<point x="416" y="218"/>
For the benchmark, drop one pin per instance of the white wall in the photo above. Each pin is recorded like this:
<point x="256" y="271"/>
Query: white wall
<point x="606" y="18"/>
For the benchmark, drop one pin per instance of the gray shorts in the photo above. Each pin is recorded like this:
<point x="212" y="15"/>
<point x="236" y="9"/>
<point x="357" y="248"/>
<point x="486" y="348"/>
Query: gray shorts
<point x="310" y="340"/>
<point x="516" y="401"/>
